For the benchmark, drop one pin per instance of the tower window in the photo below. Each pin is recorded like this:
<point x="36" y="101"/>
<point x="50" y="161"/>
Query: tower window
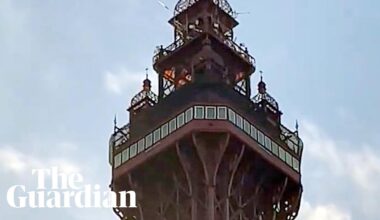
<point x="268" y="143"/>
<point x="281" y="153"/>
<point x="199" y="112"/>
<point x="239" y="121"/>
<point x="133" y="151"/>
<point x="275" y="148"/>
<point x="288" y="158"/>
<point x="253" y="132"/>
<point x="260" y="138"/>
<point x="189" y="115"/>
<point x="181" y="120"/>
<point x="246" y="126"/>
<point x="222" y="113"/>
<point x="125" y="155"/>
<point x="296" y="164"/>
<point x="231" y="116"/>
<point x="156" y="136"/>
<point x="172" y="125"/>
<point x="164" y="130"/>
<point x="149" y="140"/>
<point x="117" y="160"/>
<point x="210" y="112"/>
<point x="141" y="145"/>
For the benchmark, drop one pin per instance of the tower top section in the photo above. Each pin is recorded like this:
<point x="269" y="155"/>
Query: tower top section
<point x="204" y="50"/>
<point x="182" y="5"/>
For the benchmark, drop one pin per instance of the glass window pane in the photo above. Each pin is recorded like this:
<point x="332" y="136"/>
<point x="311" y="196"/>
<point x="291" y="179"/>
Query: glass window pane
<point x="117" y="160"/>
<point x="246" y="126"/>
<point x="275" y="149"/>
<point x="210" y="112"/>
<point x="289" y="159"/>
<point x="231" y="116"/>
<point x="125" y="155"/>
<point x="260" y="138"/>
<point x="296" y="164"/>
<point x="141" y="145"/>
<point x="222" y="113"/>
<point x="133" y="151"/>
<point x="268" y="143"/>
<point x="199" y="112"/>
<point x="253" y="132"/>
<point x="239" y="121"/>
<point x="189" y="115"/>
<point x="156" y="136"/>
<point x="164" y="130"/>
<point x="181" y="120"/>
<point x="172" y="125"/>
<point x="281" y="153"/>
<point x="148" y="140"/>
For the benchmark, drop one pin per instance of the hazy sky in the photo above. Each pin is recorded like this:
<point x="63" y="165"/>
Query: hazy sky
<point x="66" y="67"/>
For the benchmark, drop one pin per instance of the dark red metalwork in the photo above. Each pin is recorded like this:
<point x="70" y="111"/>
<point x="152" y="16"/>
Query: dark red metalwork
<point x="204" y="148"/>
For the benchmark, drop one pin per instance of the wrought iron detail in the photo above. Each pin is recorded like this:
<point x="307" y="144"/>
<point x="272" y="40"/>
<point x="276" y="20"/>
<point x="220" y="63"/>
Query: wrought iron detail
<point x="182" y="5"/>
<point x="265" y="97"/>
<point x="241" y="50"/>
<point x="121" y="135"/>
<point x="144" y="95"/>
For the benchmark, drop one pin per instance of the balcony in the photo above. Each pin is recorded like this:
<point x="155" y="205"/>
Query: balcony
<point x="289" y="150"/>
<point x="238" y="49"/>
<point x="163" y="52"/>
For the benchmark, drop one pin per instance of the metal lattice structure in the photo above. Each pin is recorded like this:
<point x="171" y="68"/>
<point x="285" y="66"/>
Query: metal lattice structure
<point x="265" y="97"/>
<point x="204" y="148"/>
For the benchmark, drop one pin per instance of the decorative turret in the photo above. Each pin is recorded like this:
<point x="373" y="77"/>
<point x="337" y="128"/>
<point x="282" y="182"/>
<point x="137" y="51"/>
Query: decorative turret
<point x="144" y="99"/>
<point x="266" y="103"/>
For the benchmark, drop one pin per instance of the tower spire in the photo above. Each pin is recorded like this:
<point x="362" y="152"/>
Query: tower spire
<point x="115" y="123"/>
<point x="147" y="84"/>
<point x="262" y="86"/>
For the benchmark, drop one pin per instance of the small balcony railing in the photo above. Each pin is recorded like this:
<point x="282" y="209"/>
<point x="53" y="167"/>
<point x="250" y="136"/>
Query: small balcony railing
<point x="163" y="52"/>
<point x="121" y="135"/>
<point x="183" y="5"/>
<point x="242" y="52"/>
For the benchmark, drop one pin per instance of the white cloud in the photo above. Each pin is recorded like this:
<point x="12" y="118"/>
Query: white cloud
<point x="17" y="162"/>
<point x="124" y="80"/>
<point x="342" y="167"/>
<point x="322" y="212"/>
<point x="361" y="166"/>
<point x="14" y="161"/>
<point x="116" y="83"/>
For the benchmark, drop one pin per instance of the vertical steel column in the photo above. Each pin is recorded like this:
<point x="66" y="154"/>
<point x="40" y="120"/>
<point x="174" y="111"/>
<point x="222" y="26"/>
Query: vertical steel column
<point x="210" y="148"/>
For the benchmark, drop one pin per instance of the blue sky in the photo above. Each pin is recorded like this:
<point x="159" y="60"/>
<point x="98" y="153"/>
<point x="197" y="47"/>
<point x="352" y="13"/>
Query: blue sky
<point x="66" y="67"/>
